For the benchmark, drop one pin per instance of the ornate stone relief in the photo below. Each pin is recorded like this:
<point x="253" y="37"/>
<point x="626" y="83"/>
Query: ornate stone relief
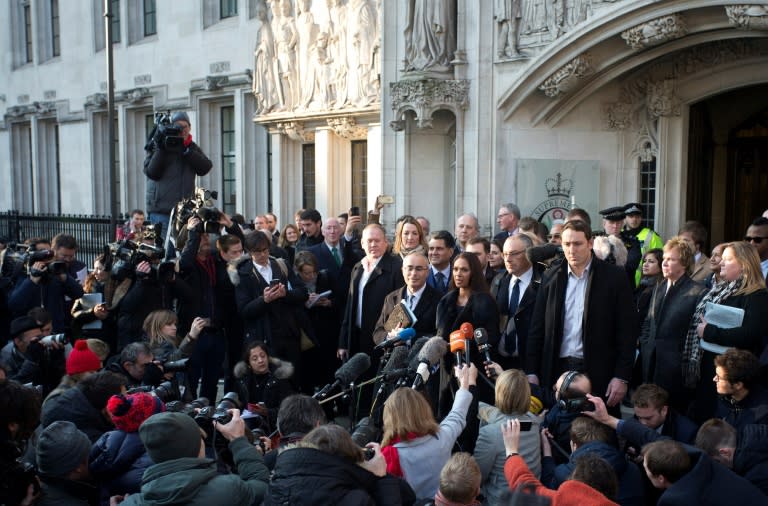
<point x="301" y="66"/>
<point x="430" y="35"/>
<point x="35" y="108"/>
<point x="661" y="98"/>
<point x="132" y="96"/>
<point x="295" y="130"/>
<point x="347" y="128"/>
<point x="215" y="82"/>
<point x="617" y="116"/>
<point x="748" y="16"/>
<point x="656" y="31"/>
<point x="563" y="80"/>
<point x="426" y="96"/>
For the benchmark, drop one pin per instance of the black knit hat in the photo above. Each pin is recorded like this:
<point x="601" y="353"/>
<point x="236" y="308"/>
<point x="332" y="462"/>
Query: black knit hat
<point x="61" y="448"/>
<point x="170" y="436"/>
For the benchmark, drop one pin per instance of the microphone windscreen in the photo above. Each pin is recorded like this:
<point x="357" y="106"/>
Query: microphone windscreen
<point x="398" y="359"/>
<point x="354" y="368"/>
<point x="457" y="345"/>
<point x="433" y="351"/>
<point x="406" y="334"/>
<point x="481" y="336"/>
<point x="413" y="355"/>
<point x="467" y="330"/>
<point x="538" y="254"/>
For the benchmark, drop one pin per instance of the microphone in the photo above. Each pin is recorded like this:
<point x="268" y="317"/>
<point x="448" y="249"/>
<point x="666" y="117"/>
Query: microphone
<point x="346" y="374"/>
<point x="481" y="338"/>
<point x="429" y="356"/>
<point x="457" y="345"/>
<point x="401" y="337"/>
<point x="398" y="361"/>
<point x="540" y="254"/>
<point x="468" y="331"/>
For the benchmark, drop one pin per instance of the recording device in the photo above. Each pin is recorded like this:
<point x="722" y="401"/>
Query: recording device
<point x="386" y="199"/>
<point x="165" y="135"/>
<point x="481" y="338"/>
<point x="354" y="211"/>
<point x="16" y="480"/>
<point x="273" y="283"/>
<point x="220" y="414"/>
<point x="54" y="338"/>
<point x="544" y="253"/>
<point x="165" y="391"/>
<point x="457" y="345"/>
<point x="346" y="374"/>
<point x="369" y="453"/>
<point x="366" y="431"/>
<point x="188" y="408"/>
<point x="176" y="365"/>
<point x="397" y="365"/>
<point x="468" y="331"/>
<point x="54" y="268"/>
<point x="525" y="425"/>
<point x="200" y="205"/>
<point x="403" y="335"/>
<point x="571" y="401"/>
<point x="126" y="255"/>
<point x="429" y="356"/>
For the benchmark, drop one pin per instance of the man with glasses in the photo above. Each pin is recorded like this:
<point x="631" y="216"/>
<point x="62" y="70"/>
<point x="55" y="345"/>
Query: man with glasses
<point x="555" y="233"/>
<point x="737" y="380"/>
<point x="515" y="293"/>
<point x="421" y="298"/>
<point x="757" y="234"/>
<point x="507" y="218"/>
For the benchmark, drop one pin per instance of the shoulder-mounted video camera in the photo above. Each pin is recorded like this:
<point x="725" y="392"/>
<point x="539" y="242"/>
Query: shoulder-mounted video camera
<point x="52" y="268"/>
<point x="126" y="255"/>
<point x="200" y="205"/>
<point x="165" y="135"/>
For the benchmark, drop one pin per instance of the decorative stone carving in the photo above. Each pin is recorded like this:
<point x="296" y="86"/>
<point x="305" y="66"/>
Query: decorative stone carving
<point x="96" y="100"/>
<point x="617" y="116"/>
<point x="508" y="14"/>
<point x="46" y="107"/>
<point x="132" y="96"/>
<point x="430" y="35"/>
<point x="662" y="99"/>
<point x="347" y="128"/>
<point x="397" y="125"/>
<point x="213" y="83"/>
<point x="35" y="108"/>
<point x="564" y="79"/>
<point x="748" y="16"/>
<point x="426" y="96"/>
<point x="295" y="130"/>
<point x="656" y="31"/>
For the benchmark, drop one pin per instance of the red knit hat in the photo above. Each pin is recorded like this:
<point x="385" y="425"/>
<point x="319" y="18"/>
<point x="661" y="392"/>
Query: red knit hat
<point x="82" y="359"/>
<point x="129" y="411"/>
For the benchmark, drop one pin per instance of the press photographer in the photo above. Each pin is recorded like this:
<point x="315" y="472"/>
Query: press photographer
<point x="30" y="358"/>
<point x="19" y="415"/>
<point x="173" y="160"/>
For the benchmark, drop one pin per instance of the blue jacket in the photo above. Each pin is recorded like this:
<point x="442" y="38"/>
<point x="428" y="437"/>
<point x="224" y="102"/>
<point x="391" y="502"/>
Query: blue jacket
<point x="118" y="460"/>
<point x="50" y="295"/>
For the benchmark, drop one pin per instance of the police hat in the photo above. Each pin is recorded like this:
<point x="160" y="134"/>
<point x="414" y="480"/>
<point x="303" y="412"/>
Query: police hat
<point x="613" y="213"/>
<point x="633" y="208"/>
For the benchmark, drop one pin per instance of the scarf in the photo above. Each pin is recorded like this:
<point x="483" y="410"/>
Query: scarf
<point x="692" y="352"/>
<point x="440" y="500"/>
<point x="209" y="266"/>
<point x="187" y="140"/>
<point x="392" y="457"/>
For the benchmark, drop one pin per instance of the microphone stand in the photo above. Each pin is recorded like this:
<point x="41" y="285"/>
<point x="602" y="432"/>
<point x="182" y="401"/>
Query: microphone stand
<point x="351" y="387"/>
<point x="352" y="406"/>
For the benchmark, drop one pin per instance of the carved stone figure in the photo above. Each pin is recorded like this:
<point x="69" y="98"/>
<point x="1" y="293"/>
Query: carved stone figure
<point x="264" y="78"/>
<point x="307" y="32"/>
<point x="361" y="33"/>
<point x="430" y="35"/>
<point x="655" y="32"/>
<point x="576" y="11"/>
<point x="508" y="15"/>
<point x="534" y="17"/>
<point x="287" y="40"/>
<point x="748" y="16"/>
<point x="337" y="52"/>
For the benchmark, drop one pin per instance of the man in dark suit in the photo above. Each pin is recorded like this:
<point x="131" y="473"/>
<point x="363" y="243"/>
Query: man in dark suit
<point x="311" y="229"/>
<point x="515" y="293"/>
<point x="584" y="320"/>
<point x="420" y="297"/>
<point x="376" y="275"/>
<point x="442" y="246"/>
<point x="336" y="256"/>
<point x="508" y="218"/>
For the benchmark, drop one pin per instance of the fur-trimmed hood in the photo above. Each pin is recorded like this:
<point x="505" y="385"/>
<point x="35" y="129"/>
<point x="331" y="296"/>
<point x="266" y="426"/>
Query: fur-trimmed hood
<point x="235" y="266"/>
<point x="280" y="369"/>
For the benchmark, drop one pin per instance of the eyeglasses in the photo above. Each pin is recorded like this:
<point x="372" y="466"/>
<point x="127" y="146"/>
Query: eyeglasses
<point x="416" y="268"/>
<point x="756" y="239"/>
<point x="501" y="215"/>
<point x="718" y="378"/>
<point x="556" y="236"/>
<point x="510" y="254"/>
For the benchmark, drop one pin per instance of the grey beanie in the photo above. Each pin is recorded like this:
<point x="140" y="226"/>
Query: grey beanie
<point x="180" y="116"/>
<point x="170" y="436"/>
<point x="61" y="448"/>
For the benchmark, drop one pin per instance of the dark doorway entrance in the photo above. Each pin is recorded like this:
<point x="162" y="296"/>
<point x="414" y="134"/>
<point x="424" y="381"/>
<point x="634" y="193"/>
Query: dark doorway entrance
<point x="727" y="184"/>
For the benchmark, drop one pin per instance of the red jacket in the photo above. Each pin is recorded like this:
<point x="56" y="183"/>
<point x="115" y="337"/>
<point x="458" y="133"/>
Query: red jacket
<point x="570" y="493"/>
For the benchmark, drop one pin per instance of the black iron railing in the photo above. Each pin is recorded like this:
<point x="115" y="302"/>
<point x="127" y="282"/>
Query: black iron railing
<point x="91" y="232"/>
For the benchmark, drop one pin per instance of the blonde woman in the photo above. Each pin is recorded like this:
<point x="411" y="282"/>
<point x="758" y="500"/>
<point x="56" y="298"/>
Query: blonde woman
<point x="409" y="237"/>
<point x="160" y="333"/>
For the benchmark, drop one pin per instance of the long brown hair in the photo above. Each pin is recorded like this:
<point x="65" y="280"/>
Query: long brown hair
<point x="752" y="279"/>
<point x="405" y="411"/>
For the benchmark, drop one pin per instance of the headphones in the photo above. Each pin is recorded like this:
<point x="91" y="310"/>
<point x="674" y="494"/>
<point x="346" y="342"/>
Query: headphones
<point x="569" y="377"/>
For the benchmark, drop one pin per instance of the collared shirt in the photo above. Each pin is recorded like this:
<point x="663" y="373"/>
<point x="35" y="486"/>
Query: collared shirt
<point x="525" y="280"/>
<point x="446" y="272"/>
<point x="413" y="298"/>
<point x="338" y="249"/>
<point x="264" y="270"/>
<point x="368" y="267"/>
<point x="575" y="297"/>
<point x="697" y="257"/>
<point x="764" y="267"/>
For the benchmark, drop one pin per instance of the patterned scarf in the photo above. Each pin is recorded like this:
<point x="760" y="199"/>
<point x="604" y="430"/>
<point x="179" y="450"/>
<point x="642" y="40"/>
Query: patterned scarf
<point x="692" y="351"/>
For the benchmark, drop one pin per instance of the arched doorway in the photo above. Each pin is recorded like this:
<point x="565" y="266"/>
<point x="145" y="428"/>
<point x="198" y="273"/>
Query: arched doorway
<point x="727" y="183"/>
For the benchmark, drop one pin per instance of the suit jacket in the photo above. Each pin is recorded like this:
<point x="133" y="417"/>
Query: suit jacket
<point x="432" y="281"/>
<point x="481" y="311"/>
<point x="701" y="269"/>
<point x="524" y="313"/>
<point x="609" y="326"/>
<point x="338" y="274"/>
<point x="425" y="311"/>
<point x="386" y="277"/>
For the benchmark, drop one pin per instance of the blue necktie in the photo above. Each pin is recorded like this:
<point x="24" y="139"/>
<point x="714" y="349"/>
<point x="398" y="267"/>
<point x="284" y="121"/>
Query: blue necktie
<point x="510" y="341"/>
<point x="440" y="278"/>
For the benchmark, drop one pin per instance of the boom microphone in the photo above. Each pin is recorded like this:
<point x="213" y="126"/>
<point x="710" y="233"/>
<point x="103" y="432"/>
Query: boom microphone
<point x="346" y="374"/>
<point x="404" y="335"/>
<point x="413" y="355"/>
<point x="481" y="338"/>
<point x="429" y="356"/>
<point x="398" y="362"/>
<point x="543" y="253"/>
<point x="457" y="345"/>
<point x="468" y="331"/>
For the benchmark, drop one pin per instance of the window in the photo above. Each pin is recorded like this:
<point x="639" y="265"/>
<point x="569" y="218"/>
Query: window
<point x="47" y="175"/>
<point x="648" y="190"/>
<point x="98" y="22"/>
<point x="23" y="176"/>
<point x="228" y="197"/>
<point x="360" y="174"/>
<point x="100" y="153"/>
<point x="150" y="18"/>
<point x="227" y="8"/>
<point x="55" y="32"/>
<point x="115" y="21"/>
<point x="308" y="176"/>
<point x="28" y="32"/>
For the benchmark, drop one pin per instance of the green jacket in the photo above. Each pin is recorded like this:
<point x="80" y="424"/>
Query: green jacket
<point x="648" y="240"/>
<point x="195" y="481"/>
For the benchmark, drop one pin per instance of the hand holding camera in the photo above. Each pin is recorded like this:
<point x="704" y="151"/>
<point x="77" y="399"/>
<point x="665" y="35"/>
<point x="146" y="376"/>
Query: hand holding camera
<point x="198" y="324"/>
<point x="234" y="429"/>
<point x="37" y="272"/>
<point x="193" y="222"/>
<point x="374" y="463"/>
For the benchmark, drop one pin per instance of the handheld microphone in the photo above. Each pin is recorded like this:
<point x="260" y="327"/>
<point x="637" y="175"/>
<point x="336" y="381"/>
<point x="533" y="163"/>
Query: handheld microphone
<point x="402" y="336"/>
<point x="457" y="345"/>
<point x="346" y="374"/>
<point x="468" y="331"/>
<point x="481" y="338"/>
<point x="429" y="356"/>
<point x="393" y="370"/>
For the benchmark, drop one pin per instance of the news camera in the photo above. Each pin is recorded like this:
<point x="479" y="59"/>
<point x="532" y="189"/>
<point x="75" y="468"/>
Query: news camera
<point x="165" y="391"/>
<point x="165" y="135"/>
<point x="126" y="255"/>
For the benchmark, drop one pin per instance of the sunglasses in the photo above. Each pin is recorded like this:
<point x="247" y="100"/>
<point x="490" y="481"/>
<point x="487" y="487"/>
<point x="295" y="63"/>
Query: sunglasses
<point x="756" y="240"/>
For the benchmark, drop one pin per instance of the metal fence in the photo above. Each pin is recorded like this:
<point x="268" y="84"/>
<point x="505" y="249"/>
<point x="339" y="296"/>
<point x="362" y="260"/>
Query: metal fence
<point x="91" y="232"/>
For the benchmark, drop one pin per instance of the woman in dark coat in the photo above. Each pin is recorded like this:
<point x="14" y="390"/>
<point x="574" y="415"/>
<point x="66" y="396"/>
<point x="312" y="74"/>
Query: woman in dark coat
<point x="263" y="382"/>
<point x="327" y="467"/>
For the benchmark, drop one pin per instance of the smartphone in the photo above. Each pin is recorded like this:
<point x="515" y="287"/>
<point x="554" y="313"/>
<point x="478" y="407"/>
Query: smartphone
<point x="274" y="282"/>
<point x="386" y="199"/>
<point x="525" y="425"/>
<point x="354" y="211"/>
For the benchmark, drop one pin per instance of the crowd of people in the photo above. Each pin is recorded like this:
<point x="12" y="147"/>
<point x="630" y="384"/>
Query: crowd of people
<point x="110" y="379"/>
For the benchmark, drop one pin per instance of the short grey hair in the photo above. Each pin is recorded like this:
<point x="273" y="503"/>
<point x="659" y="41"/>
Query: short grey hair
<point x="512" y="208"/>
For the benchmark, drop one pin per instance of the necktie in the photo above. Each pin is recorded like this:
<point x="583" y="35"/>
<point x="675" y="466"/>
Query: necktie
<point x="440" y="278"/>
<point x="335" y="253"/>
<point x="510" y="341"/>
